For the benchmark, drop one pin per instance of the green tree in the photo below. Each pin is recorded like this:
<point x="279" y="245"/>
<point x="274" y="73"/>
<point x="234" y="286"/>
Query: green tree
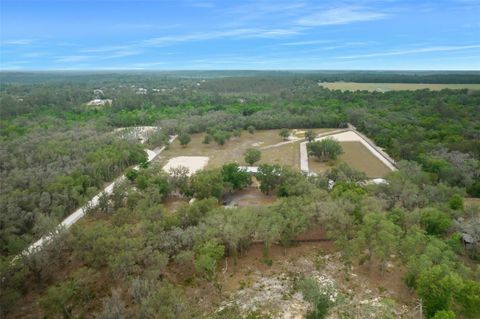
<point x="444" y="314"/>
<point x="234" y="177"/>
<point x="208" y="184"/>
<point x="163" y="300"/>
<point x="60" y="300"/>
<point x="325" y="150"/>
<point x="252" y="155"/>
<point x="456" y="202"/>
<point x="179" y="180"/>
<point x="207" y="257"/>
<point x="184" y="139"/>
<point x="469" y="299"/>
<point x="284" y="133"/>
<point x="131" y="174"/>
<point x="296" y="214"/>
<point x="435" y="221"/>
<point x="221" y="137"/>
<point x="269" y="177"/>
<point x="313" y="293"/>
<point x="379" y="236"/>
<point x="310" y="136"/>
<point x="13" y="276"/>
<point x="251" y="129"/>
<point x="293" y="183"/>
<point x="437" y="286"/>
<point x="269" y="228"/>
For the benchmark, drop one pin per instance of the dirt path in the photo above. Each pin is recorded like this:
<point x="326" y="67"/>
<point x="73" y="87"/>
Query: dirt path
<point x="293" y="140"/>
<point x="304" y="157"/>
<point x="79" y="213"/>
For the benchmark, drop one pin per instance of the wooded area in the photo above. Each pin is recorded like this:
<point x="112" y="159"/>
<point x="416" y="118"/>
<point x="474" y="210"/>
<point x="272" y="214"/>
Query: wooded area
<point x="133" y="259"/>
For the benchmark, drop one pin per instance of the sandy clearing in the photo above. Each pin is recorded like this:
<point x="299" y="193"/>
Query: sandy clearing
<point x="193" y="163"/>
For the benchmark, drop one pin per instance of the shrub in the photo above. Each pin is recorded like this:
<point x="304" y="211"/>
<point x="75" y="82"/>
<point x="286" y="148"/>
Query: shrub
<point x="207" y="139"/>
<point x="184" y="139"/>
<point x="456" y="202"/>
<point x="435" y="221"/>
<point x="313" y="293"/>
<point x="252" y="155"/>
<point x="284" y="133"/>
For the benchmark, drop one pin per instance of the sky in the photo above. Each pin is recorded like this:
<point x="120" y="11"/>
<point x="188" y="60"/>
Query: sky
<point x="228" y="34"/>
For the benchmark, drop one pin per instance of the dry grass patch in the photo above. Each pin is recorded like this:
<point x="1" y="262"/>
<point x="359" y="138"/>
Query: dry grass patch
<point x="288" y="154"/>
<point x="357" y="156"/>
<point x="233" y="150"/>
<point x="383" y="87"/>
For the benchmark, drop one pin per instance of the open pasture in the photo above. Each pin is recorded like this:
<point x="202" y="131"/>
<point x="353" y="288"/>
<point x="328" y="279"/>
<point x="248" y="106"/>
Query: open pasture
<point x="385" y="87"/>
<point x="355" y="155"/>
<point x="233" y="150"/>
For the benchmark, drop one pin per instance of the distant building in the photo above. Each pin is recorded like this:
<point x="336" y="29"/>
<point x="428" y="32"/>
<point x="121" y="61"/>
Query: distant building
<point x="141" y="91"/>
<point x="100" y="102"/>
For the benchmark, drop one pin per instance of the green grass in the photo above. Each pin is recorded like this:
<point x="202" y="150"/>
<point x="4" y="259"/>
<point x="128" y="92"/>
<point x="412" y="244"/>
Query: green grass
<point x="355" y="155"/>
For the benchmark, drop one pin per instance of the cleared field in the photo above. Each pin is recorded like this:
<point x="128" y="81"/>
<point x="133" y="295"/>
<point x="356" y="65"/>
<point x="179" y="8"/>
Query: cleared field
<point x="288" y="154"/>
<point x="232" y="151"/>
<point x="357" y="156"/>
<point x="384" y="87"/>
<point x="193" y="163"/>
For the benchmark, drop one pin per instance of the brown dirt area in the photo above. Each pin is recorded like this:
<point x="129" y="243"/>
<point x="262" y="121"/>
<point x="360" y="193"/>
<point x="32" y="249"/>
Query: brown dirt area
<point x="234" y="149"/>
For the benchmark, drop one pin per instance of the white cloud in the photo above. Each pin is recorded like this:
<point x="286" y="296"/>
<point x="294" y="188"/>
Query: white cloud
<point x="232" y="33"/>
<point x="413" y="51"/>
<point x="18" y="42"/>
<point x="75" y="58"/>
<point x="309" y="42"/>
<point x="340" y="15"/>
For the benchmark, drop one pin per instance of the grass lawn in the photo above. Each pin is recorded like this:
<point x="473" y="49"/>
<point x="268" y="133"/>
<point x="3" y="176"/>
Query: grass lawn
<point x="357" y="156"/>
<point x="383" y="87"/>
<point x="233" y="150"/>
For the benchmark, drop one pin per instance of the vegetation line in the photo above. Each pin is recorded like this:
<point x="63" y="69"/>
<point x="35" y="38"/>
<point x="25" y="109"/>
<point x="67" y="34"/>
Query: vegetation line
<point x="80" y="212"/>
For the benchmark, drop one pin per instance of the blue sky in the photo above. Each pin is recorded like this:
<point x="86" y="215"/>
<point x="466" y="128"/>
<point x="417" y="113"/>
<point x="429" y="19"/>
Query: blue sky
<point x="204" y="34"/>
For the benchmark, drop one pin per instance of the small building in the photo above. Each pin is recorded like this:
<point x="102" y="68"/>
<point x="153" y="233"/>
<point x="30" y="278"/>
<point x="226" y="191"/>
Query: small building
<point x="249" y="169"/>
<point x="100" y="102"/>
<point x="377" y="181"/>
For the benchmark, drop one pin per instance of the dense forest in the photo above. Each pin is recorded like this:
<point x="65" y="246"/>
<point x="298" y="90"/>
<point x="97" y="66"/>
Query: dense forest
<point x="132" y="260"/>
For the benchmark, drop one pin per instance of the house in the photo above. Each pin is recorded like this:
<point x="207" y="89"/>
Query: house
<point x="100" y="102"/>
